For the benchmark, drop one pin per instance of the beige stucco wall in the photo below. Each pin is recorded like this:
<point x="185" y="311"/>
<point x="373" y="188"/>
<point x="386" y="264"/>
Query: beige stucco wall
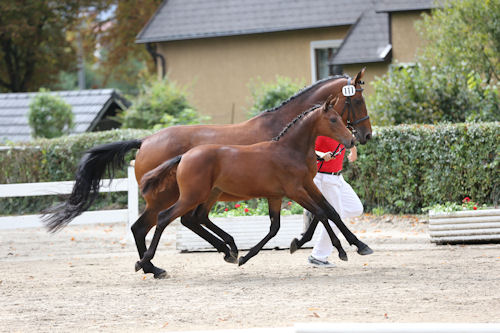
<point x="373" y="70"/>
<point x="405" y="38"/>
<point x="217" y="71"/>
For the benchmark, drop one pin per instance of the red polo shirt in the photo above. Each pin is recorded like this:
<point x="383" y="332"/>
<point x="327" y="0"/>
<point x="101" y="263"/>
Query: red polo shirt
<point x="325" y="144"/>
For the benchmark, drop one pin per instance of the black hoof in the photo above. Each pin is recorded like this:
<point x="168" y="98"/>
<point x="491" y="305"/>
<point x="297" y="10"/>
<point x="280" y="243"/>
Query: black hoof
<point x="364" y="250"/>
<point x="234" y="253"/>
<point x="343" y="256"/>
<point x="138" y="266"/>
<point x="241" y="261"/>
<point x="294" y="246"/>
<point x="230" y="259"/>
<point x="160" y="273"/>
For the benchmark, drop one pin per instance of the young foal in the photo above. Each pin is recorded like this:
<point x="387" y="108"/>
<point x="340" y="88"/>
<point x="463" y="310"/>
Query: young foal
<point x="282" y="167"/>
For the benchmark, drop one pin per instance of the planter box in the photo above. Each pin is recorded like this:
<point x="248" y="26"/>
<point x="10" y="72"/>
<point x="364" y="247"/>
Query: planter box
<point x="465" y="226"/>
<point x="247" y="231"/>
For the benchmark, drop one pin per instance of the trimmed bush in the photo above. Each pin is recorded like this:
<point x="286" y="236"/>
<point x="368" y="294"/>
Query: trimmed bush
<point x="408" y="167"/>
<point x="46" y="160"/>
<point x="49" y="116"/>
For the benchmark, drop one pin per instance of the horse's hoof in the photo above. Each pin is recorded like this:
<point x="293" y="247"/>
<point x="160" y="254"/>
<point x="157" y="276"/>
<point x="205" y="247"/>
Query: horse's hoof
<point x="138" y="266"/>
<point x="294" y="246"/>
<point x="234" y="254"/>
<point x="230" y="259"/>
<point x="364" y="250"/>
<point x="343" y="256"/>
<point x="160" y="274"/>
<point x="241" y="261"/>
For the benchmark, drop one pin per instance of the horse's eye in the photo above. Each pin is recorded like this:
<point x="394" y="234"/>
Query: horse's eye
<point x="333" y="120"/>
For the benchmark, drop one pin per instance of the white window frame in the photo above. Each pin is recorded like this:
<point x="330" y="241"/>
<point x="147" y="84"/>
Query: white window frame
<point x="321" y="44"/>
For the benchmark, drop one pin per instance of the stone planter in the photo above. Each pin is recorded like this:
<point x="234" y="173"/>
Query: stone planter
<point x="246" y="231"/>
<point x="465" y="226"/>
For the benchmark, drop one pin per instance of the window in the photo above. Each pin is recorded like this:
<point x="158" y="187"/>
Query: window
<point x="322" y="53"/>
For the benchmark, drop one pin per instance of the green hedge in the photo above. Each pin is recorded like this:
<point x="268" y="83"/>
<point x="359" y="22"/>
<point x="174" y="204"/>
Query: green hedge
<point x="408" y="167"/>
<point x="47" y="160"/>
<point x="402" y="169"/>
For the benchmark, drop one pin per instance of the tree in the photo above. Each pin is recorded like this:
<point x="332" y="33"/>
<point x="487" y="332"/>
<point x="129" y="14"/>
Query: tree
<point x="33" y="44"/>
<point x="49" y="116"/>
<point x="466" y="31"/>
<point x="455" y="78"/>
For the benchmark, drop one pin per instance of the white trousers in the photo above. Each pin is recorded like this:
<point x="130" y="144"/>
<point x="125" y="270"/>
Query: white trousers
<point x="345" y="201"/>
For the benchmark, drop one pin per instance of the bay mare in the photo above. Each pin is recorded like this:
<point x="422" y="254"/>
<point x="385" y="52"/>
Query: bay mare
<point x="284" y="166"/>
<point x="176" y="140"/>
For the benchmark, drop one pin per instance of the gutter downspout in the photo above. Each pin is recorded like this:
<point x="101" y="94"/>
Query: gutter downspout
<point x="152" y="51"/>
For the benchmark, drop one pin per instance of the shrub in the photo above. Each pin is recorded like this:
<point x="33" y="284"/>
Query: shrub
<point x="405" y="168"/>
<point x="160" y="103"/>
<point x="419" y="94"/>
<point x="49" y="116"/>
<point x="271" y="94"/>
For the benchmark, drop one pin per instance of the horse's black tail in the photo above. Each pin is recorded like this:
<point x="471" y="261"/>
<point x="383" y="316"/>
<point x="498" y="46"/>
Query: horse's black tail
<point x="90" y="171"/>
<point x="152" y="180"/>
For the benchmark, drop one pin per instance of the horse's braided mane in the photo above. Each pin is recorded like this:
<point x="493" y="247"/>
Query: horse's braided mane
<point x="296" y="119"/>
<point x="306" y="89"/>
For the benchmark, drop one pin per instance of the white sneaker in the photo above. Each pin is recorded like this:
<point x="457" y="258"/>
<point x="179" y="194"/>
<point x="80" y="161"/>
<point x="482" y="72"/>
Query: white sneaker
<point x="319" y="263"/>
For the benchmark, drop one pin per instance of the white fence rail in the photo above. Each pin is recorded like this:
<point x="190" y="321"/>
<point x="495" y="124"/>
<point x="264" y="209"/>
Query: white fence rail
<point x="128" y="215"/>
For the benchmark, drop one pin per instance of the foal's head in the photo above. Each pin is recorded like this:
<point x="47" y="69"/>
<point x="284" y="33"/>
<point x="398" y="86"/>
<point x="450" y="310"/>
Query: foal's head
<point x="330" y="123"/>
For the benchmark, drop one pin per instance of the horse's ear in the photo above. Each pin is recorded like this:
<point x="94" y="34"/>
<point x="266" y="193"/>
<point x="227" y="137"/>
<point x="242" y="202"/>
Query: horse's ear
<point x="330" y="102"/>
<point x="360" y="75"/>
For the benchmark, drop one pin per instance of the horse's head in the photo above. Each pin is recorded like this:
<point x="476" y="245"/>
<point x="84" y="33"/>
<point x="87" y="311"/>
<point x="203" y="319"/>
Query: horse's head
<point x="331" y="123"/>
<point x="352" y="108"/>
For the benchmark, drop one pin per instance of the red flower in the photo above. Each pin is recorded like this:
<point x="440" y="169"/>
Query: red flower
<point x="237" y="206"/>
<point x="246" y="210"/>
<point x="289" y="203"/>
<point x="466" y="199"/>
<point x="225" y="209"/>
<point x="475" y="208"/>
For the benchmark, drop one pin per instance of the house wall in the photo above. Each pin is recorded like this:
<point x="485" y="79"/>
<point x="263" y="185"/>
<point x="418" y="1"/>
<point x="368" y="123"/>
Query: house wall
<point x="218" y="71"/>
<point x="404" y="37"/>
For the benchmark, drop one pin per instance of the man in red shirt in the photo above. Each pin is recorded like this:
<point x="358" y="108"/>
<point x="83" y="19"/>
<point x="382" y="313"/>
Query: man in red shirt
<point x="336" y="190"/>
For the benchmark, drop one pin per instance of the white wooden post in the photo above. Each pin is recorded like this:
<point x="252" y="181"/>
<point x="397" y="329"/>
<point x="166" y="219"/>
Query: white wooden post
<point x="133" y="197"/>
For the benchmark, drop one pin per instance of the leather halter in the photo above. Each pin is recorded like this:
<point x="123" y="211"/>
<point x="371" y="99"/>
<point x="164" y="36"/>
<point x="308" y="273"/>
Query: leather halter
<point x="350" y="110"/>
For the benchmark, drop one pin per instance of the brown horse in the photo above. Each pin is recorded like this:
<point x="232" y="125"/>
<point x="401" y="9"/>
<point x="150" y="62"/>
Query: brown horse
<point x="282" y="167"/>
<point x="176" y="140"/>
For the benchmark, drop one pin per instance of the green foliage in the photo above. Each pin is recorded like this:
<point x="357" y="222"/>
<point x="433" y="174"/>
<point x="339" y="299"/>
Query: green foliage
<point x="423" y="94"/>
<point x="253" y="207"/>
<point x="467" y="204"/>
<point x="271" y="94"/>
<point x="46" y="160"/>
<point x="457" y="71"/>
<point x="49" y="116"/>
<point x="405" y="168"/>
<point x="160" y="103"/>
<point x="465" y="32"/>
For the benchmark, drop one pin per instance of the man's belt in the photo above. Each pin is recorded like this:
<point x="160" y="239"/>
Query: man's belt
<point x="332" y="173"/>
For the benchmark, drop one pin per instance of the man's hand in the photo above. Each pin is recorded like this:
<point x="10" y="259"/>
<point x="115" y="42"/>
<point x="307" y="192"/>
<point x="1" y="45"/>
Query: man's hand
<point x="353" y="156"/>
<point x="325" y="156"/>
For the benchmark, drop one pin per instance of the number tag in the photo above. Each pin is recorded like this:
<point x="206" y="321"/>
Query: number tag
<point x="349" y="90"/>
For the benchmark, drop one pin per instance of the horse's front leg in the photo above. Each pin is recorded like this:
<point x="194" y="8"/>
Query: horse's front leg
<point x="274" y="215"/>
<point x="332" y="215"/>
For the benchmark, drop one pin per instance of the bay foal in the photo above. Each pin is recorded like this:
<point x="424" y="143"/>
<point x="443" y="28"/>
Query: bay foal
<point x="282" y="167"/>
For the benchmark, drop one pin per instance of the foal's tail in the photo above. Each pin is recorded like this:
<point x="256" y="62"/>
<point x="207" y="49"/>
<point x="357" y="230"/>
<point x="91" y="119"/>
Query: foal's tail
<point x="91" y="169"/>
<point x="154" y="179"/>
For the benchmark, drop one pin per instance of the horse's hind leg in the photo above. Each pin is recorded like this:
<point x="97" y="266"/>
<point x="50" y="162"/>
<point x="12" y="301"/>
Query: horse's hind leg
<point x="227" y="238"/>
<point x="306" y="237"/>
<point x="140" y="229"/>
<point x="274" y="215"/>
<point x="192" y="222"/>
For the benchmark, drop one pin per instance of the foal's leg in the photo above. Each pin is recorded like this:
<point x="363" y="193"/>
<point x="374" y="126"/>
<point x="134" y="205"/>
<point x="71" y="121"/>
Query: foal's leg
<point x="164" y="219"/>
<point x="227" y="238"/>
<point x="140" y="229"/>
<point x="307" y="236"/>
<point x="274" y="214"/>
<point x="315" y="195"/>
